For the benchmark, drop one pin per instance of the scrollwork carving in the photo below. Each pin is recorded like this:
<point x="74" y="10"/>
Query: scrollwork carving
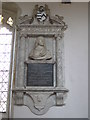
<point x="39" y="101"/>
<point x="40" y="14"/>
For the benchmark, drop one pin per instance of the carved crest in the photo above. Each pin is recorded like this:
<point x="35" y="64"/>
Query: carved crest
<point x="41" y="13"/>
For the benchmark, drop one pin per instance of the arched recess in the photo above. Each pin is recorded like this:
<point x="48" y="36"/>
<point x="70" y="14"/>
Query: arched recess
<point x="9" y="15"/>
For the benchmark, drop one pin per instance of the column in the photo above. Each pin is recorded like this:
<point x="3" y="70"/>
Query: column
<point x="60" y="59"/>
<point x="21" y="60"/>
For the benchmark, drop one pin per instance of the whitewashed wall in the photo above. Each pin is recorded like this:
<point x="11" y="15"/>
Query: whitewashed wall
<point x="76" y="61"/>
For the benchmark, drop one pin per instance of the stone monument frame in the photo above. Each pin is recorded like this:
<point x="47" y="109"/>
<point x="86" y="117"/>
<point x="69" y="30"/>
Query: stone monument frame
<point x="40" y="99"/>
<point x="53" y="60"/>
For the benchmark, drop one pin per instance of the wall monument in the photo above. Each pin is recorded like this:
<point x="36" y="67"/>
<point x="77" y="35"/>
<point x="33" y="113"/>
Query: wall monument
<point x="39" y="78"/>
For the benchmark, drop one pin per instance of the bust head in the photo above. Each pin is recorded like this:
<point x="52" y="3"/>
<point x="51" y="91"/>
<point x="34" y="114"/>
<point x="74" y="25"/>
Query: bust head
<point x="40" y="41"/>
<point x="39" y="51"/>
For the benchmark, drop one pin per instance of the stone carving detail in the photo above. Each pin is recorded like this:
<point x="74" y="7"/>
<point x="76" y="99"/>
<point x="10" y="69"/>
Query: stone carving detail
<point x="39" y="100"/>
<point x="39" y="103"/>
<point x="41" y="24"/>
<point x="41" y="14"/>
<point x="31" y="30"/>
<point x="39" y="51"/>
<point x="18" y="98"/>
<point x="60" y="99"/>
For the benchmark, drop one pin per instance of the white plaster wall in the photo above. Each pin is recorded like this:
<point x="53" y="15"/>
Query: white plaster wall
<point x="0" y="116"/>
<point x="76" y="62"/>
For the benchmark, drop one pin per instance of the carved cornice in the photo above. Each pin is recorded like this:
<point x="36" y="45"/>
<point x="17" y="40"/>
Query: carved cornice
<point x="46" y="30"/>
<point x="41" y="89"/>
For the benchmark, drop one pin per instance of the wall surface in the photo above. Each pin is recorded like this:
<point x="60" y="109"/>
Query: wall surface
<point x="76" y="61"/>
<point x="0" y="116"/>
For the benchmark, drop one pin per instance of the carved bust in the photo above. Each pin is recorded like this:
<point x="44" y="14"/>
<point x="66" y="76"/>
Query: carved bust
<point x="39" y="51"/>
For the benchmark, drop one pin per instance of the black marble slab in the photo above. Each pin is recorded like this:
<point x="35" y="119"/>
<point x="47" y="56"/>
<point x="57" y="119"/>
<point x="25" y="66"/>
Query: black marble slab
<point x="39" y="74"/>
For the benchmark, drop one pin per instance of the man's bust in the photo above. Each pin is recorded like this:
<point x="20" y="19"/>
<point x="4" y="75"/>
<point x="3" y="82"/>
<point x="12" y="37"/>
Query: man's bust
<point x="39" y="51"/>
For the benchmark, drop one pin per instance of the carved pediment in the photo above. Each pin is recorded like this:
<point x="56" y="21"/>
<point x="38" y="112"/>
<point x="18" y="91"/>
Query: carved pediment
<point x="41" y="16"/>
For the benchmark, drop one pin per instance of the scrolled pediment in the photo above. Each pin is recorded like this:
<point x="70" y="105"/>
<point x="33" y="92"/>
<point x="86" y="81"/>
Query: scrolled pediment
<point x="41" y="16"/>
